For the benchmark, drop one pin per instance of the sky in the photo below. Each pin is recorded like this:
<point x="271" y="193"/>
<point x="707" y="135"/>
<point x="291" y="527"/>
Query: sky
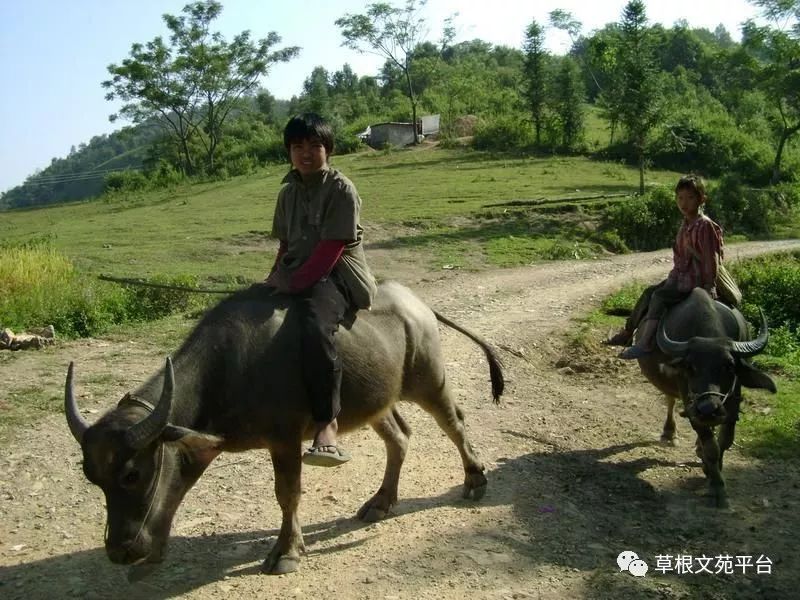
<point x="54" y="54"/>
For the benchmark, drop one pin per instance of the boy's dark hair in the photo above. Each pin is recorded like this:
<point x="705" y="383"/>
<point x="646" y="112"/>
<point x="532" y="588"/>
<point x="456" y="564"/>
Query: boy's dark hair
<point x="694" y="183"/>
<point x="306" y="126"/>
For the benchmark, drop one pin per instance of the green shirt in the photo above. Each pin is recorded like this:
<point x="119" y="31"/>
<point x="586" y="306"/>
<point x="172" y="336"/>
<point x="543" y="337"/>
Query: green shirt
<point x="326" y="207"/>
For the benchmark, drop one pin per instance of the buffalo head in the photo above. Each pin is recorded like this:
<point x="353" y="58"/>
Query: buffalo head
<point x="710" y="369"/>
<point x="143" y="464"/>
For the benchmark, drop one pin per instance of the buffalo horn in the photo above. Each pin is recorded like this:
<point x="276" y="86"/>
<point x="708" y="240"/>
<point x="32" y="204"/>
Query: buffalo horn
<point x="753" y="347"/>
<point x="668" y="346"/>
<point x="77" y="424"/>
<point x="148" y="429"/>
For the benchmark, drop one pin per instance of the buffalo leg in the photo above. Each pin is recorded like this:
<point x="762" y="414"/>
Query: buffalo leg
<point x="285" y="554"/>
<point x="395" y="432"/>
<point x="451" y="419"/>
<point x="668" y="434"/>
<point x="711" y="456"/>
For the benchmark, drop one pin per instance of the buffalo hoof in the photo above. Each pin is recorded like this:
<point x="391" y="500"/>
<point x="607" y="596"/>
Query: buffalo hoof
<point x="474" y="486"/>
<point x="668" y="440"/>
<point x="720" y="500"/>
<point x="280" y="564"/>
<point x="375" y="509"/>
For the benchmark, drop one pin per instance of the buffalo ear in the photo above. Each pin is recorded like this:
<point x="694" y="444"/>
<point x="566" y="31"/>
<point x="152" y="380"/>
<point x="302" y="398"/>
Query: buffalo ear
<point x="753" y="378"/>
<point x="202" y="447"/>
<point x="671" y="368"/>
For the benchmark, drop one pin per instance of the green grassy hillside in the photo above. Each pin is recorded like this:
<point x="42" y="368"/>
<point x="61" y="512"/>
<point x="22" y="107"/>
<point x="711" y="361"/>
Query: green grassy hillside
<point x="421" y="196"/>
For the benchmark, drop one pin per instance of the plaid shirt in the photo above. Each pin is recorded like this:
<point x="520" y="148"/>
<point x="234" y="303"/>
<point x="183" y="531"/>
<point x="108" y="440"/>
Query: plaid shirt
<point x="696" y="254"/>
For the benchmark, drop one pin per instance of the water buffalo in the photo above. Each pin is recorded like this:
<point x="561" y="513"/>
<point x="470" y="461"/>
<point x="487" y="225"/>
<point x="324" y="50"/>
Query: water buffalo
<point x="235" y="384"/>
<point x="702" y="359"/>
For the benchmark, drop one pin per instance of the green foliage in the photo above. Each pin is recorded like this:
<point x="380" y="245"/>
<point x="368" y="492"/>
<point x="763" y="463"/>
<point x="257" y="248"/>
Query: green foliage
<point x="568" y="98"/>
<point x="126" y="181"/>
<point x="640" y="94"/>
<point x="42" y="287"/>
<point x="504" y="133"/>
<point x="768" y="424"/>
<point x="699" y="133"/>
<point x="645" y="222"/>
<point x="772" y="283"/>
<point x="741" y="210"/>
<point x="190" y="86"/>
<point x="536" y="76"/>
<point x="622" y="301"/>
<point x="148" y="303"/>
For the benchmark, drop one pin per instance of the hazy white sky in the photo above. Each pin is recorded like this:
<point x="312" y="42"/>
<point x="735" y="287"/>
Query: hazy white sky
<point x="54" y="54"/>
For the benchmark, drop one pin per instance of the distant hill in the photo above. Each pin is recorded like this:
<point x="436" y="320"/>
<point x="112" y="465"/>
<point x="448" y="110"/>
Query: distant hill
<point x="82" y="172"/>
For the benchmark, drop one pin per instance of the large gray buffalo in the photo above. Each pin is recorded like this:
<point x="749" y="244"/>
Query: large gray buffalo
<point x="702" y="358"/>
<point x="236" y="384"/>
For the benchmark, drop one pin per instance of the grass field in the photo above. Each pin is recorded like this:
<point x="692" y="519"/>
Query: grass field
<point x="428" y="197"/>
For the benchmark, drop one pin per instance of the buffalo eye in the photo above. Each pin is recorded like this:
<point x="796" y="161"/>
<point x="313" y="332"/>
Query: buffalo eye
<point x="130" y="478"/>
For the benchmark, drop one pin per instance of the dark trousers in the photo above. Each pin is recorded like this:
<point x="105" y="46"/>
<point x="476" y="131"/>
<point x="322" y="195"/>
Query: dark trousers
<point x="654" y="303"/>
<point x="321" y="308"/>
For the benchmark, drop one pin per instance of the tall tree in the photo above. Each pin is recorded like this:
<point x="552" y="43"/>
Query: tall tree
<point x="641" y="101"/>
<point x="535" y="76"/>
<point x="391" y="32"/>
<point x="779" y="49"/>
<point x="190" y="85"/>
<point x="316" y="92"/>
<point x="568" y="99"/>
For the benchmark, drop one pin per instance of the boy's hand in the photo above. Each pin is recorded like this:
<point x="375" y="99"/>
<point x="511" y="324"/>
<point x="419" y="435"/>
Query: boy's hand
<point x="279" y="281"/>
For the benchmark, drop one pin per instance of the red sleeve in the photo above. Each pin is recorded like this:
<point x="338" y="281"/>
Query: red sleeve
<point x="709" y="247"/>
<point x="319" y="264"/>
<point x="282" y="248"/>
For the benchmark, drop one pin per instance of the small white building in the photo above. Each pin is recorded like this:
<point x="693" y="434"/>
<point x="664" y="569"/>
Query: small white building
<point x="397" y="134"/>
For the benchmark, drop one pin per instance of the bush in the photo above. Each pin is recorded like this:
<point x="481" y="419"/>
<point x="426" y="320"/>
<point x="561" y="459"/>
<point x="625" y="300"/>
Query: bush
<point x="125" y="181"/>
<point x="645" y="222"/>
<point x="772" y="283"/>
<point x="741" y="210"/>
<point x="41" y="287"/>
<point x="145" y="303"/>
<point x="165" y="175"/>
<point x="504" y="133"/>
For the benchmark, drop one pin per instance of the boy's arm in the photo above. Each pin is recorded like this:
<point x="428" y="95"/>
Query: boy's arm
<point x="283" y="246"/>
<point x="321" y="262"/>
<point x="709" y="250"/>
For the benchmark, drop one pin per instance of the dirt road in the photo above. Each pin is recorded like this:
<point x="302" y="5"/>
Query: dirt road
<point x="576" y="476"/>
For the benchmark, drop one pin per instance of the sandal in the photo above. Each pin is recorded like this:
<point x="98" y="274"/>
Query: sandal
<point x="325" y="456"/>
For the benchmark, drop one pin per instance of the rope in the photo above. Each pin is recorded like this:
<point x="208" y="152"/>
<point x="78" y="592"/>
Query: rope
<point x="165" y="286"/>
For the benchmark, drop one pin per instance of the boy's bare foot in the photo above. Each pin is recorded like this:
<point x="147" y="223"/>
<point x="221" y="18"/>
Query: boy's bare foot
<point x="325" y="451"/>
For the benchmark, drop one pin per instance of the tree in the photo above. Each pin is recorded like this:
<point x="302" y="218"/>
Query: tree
<point x="568" y="99"/>
<point x="316" y="92"/>
<point x="535" y="76"/>
<point x="641" y="101"/>
<point x="779" y="51"/>
<point x="390" y="32"/>
<point x="190" y="85"/>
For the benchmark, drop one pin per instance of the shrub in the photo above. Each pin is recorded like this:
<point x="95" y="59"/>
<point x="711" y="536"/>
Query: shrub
<point x="165" y="175"/>
<point x="42" y="287"/>
<point x="741" y="210"/>
<point x="507" y="132"/>
<point x="646" y="222"/>
<point x="125" y="181"/>
<point x="772" y="283"/>
<point x="145" y="303"/>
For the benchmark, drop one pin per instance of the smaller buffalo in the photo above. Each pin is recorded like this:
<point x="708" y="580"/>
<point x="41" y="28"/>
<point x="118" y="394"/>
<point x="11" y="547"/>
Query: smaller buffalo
<point x="702" y="358"/>
<point x="236" y="383"/>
